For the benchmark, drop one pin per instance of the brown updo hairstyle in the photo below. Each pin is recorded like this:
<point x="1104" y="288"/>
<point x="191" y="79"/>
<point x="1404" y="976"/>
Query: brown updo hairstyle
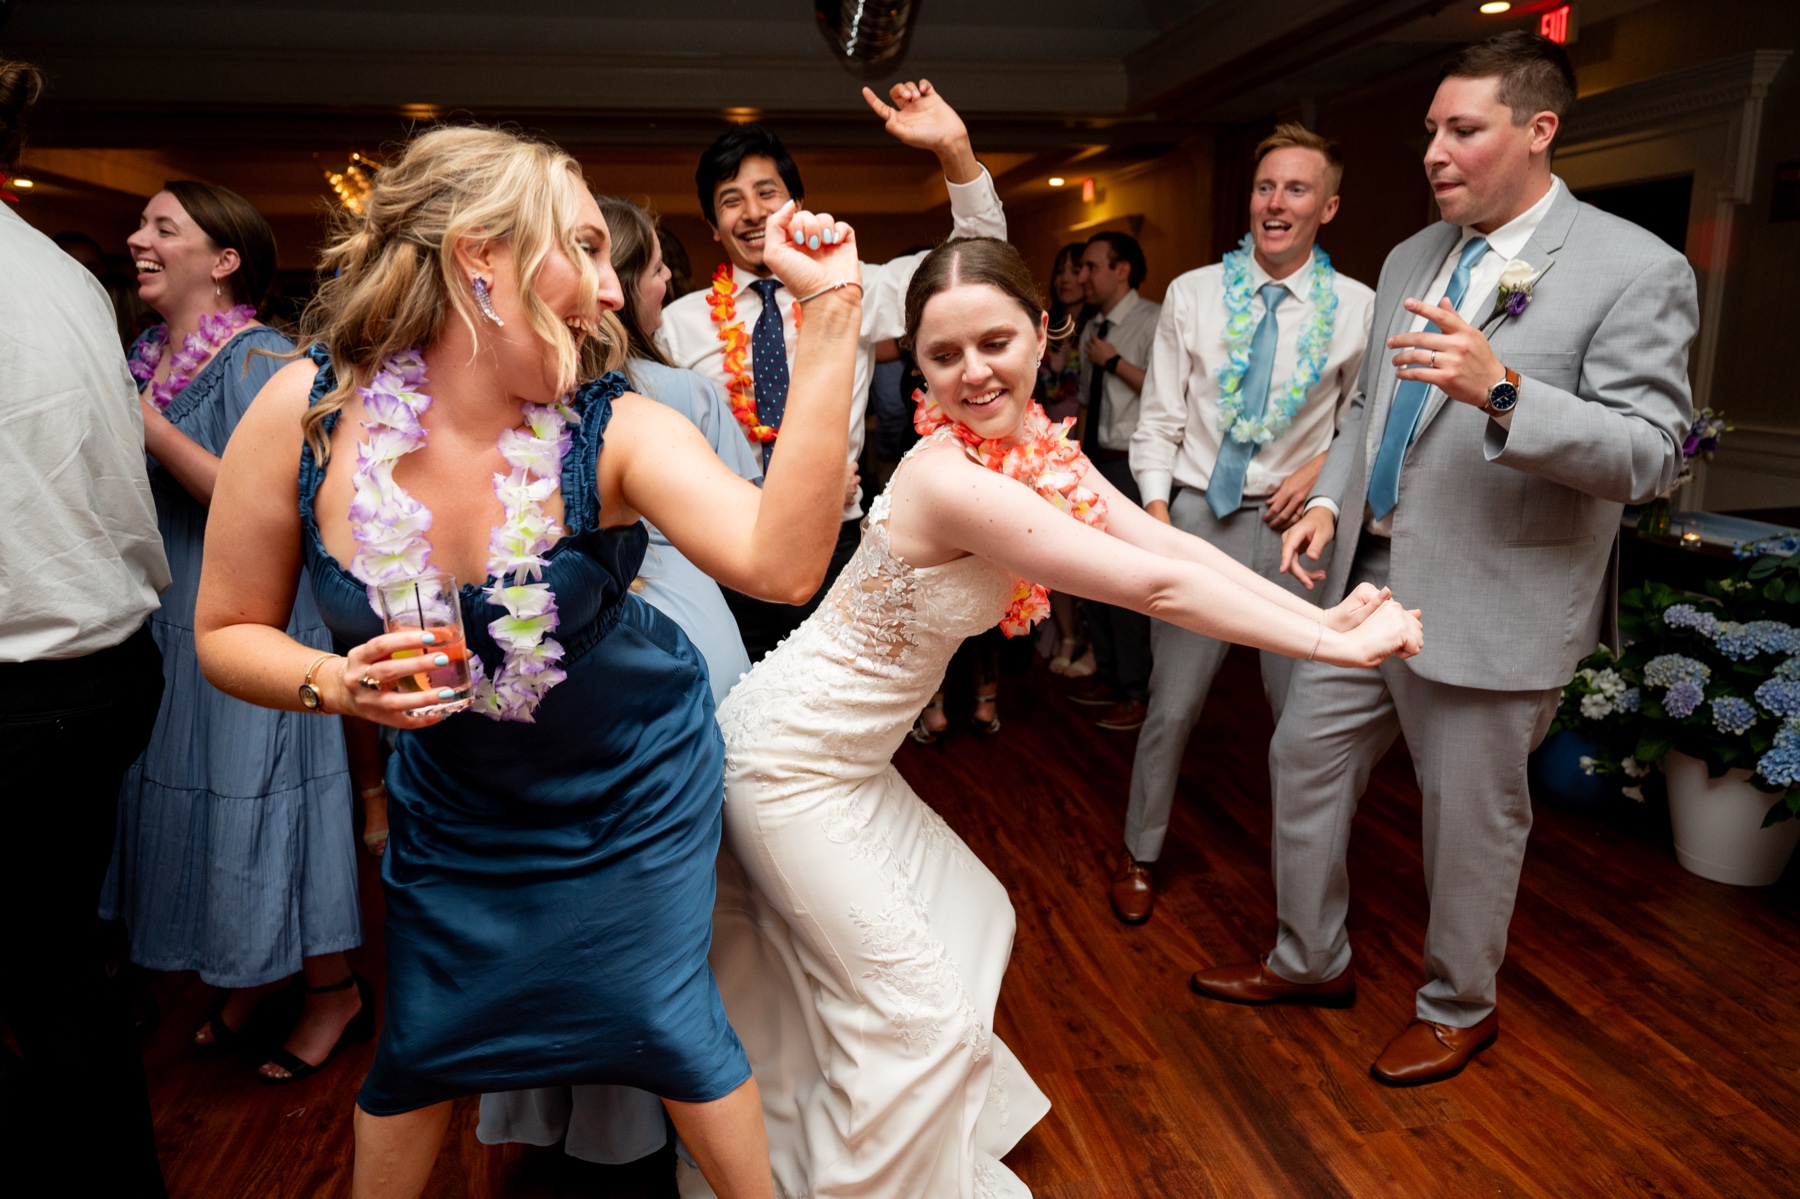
<point x="231" y="222"/>
<point x="974" y="260"/>
<point x="20" y="86"/>
<point x="634" y="244"/>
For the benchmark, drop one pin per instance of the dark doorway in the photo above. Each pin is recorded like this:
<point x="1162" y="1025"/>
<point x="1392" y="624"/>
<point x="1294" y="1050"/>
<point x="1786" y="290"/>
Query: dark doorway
<point x="1661" y="206"/>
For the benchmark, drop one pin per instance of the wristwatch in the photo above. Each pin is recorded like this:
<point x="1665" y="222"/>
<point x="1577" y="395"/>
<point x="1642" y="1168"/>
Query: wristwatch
<point x="310" y="699"/>
<point x="1111" y="365"/>
<point x="1504" y="395"/>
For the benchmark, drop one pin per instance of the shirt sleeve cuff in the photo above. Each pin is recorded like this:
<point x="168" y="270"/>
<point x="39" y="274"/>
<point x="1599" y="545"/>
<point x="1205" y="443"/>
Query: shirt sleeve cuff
<point x="1319" y="501"/>
<point x="1154" y="485"/>
<point x="974" y="197"/>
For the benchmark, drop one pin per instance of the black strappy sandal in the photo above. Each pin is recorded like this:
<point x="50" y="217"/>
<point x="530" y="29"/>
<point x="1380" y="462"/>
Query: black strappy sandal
<point x="922" y="735"/>
<point x="987" y="728"/>
<point x="360" y="1028"/>
<point x="225" y="1039"/>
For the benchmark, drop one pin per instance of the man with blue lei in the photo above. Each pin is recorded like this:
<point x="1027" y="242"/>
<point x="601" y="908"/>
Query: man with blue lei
<point x="1256" y="359"/>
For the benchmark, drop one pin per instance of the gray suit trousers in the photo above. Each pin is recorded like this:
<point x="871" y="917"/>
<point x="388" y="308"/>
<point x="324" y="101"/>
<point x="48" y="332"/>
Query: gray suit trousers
<point x="1468" y="749"/>
<point x="1184" y="663"/>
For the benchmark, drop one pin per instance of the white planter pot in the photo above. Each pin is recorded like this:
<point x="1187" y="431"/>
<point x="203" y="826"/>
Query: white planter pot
<point x="1718" y="825"/>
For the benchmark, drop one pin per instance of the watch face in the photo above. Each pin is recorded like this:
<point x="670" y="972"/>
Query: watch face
<point x="309" y="697"/>
<point x="1502" y="397"/>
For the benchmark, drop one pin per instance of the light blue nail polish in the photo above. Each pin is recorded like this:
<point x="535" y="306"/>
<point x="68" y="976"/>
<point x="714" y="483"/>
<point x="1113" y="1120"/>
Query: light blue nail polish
<point x="429" y="638"/>
<point x="829" y="236"/>
<point x="799" y="237"/>
<point x="446" y="693"/>
<point x="441" y="660"/>
<point x="813" y="244"/>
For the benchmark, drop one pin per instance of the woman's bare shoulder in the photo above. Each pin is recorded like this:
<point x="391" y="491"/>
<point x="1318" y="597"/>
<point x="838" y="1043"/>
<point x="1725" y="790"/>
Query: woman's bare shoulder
<point x="276" y="412"/>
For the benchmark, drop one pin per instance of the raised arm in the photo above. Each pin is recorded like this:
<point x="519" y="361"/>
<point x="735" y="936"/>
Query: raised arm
<point x="942" y="500"/>
<point x="775" y="543"/>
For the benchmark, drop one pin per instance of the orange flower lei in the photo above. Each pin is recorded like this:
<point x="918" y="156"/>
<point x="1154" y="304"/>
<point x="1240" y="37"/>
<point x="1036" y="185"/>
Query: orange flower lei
<point x="1045" y="460"/>
<point x="740" y="388"/>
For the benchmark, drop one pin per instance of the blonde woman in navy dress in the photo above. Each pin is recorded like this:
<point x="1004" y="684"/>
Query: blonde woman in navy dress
<point x="549" y="872"/>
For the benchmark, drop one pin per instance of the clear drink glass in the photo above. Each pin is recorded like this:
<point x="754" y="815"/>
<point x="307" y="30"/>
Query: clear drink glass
<point x="428" y="603"/>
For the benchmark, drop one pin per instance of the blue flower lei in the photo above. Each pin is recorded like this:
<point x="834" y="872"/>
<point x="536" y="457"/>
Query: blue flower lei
<point x="1314" y="347"/>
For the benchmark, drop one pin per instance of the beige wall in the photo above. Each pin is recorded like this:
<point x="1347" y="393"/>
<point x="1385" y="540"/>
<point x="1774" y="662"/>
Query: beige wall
<point x="1166" y="204"/>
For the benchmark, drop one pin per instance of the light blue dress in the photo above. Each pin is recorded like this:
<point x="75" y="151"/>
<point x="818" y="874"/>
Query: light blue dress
<point x="235" y="855"/>
<point x="615" y="1124"/>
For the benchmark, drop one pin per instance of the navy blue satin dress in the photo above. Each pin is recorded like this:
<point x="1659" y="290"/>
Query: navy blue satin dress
<point x="550" y="885"/>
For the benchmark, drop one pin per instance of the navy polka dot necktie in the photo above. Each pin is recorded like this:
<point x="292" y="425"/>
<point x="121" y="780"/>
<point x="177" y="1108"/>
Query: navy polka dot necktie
<point x="768" y="361"/>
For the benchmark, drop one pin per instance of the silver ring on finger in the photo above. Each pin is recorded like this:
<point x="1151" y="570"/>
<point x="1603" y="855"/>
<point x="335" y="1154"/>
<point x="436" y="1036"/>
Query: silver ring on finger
<point x="370" y="683"/>
<point x="1434" y="360"/>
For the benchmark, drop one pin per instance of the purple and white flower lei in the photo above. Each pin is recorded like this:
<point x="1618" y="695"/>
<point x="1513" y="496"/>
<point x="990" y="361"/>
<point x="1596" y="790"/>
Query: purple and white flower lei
<point x="389" y="526"/>
<point x="216" y="328"/>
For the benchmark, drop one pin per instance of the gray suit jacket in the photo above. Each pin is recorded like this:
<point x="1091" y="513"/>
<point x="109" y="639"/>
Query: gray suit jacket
<point x="1508" y="538"/>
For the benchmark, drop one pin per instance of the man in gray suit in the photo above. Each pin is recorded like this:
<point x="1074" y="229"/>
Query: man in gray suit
<point x="1481" y="476"/>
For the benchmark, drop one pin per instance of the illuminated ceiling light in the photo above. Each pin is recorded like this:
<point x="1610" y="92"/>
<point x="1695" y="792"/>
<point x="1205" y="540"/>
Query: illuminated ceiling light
<point x="23" y="185"/>
<point x="353" y="184"/>
<point x="1494" y="8"/>
<point x="741" y="116"/>
<point x="1087" y="189"/>
<point x="1057" y="181"/>
<point x="421" y="112"/>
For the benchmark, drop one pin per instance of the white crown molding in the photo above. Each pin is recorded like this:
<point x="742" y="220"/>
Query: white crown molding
<point x="1728" y="91"/>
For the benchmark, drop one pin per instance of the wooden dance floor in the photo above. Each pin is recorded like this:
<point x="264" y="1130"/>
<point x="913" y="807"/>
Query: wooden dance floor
<point x="1649" y="1035"/>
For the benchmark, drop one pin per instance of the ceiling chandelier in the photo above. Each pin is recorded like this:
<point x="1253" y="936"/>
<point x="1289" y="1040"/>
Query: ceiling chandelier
<point x="352" y="184"/>
<point x="868" y="36"/>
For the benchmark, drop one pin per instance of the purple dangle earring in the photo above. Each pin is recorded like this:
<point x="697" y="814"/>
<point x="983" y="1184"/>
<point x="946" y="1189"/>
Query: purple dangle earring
<point x="485" y="302"/>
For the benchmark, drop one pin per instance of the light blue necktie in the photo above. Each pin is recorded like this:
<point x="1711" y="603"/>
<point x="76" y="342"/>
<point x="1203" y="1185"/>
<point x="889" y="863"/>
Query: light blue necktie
<point x="1409" y="399"/>
<point x="1225" y="491"/>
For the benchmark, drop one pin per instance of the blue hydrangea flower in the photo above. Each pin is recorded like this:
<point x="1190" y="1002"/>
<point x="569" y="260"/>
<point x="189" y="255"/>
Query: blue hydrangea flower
<point x="1774" y="637"/>
<point x="1788" y="736"/>
<point x="1665" y="670"/>
<point x="1780" y="696"/>
<point x="1741" y="642"/>
<point x="1789" y="669"/>
<point x="1629" y="700"/>
<point x="1683" y="698"/>
<point x="1733" y="715"/>
<point x="1687" y="616"/>
<point x="1781" y="767"/>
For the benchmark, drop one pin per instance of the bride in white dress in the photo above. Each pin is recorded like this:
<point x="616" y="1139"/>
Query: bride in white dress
<point x="858" y="943"/>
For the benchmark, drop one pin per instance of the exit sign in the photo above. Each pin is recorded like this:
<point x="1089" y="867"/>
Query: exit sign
<point x="1558" y="24"/>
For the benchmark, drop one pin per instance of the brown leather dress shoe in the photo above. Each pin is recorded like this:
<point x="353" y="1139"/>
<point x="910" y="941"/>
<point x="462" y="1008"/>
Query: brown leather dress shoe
<point x="1093" y="692"/>
<point x="1428" y="1052"/>
<point x="1133" y="893"/>
<point x="1255" y="984"/>
<point x="1124" y="716"/>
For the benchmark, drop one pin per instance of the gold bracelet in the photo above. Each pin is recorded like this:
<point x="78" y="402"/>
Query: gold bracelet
<point x="1320" y="636"/>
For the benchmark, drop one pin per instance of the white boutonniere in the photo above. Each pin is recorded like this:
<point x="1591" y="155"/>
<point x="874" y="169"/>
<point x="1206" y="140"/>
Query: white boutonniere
<point x="1517" y="283"/>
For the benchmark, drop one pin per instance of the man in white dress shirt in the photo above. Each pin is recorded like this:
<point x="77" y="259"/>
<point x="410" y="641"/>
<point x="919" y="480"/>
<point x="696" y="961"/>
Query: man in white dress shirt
<point x="742" y="178"/>
<point x="81" y="563"/>
<point x="1115" y="349"/>
<point x="1481" y="474"/>
<point x="1243" y="322"/>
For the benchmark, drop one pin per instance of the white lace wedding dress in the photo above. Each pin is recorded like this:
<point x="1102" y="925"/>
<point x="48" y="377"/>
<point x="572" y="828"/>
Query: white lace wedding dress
<point x="858" y="943"/>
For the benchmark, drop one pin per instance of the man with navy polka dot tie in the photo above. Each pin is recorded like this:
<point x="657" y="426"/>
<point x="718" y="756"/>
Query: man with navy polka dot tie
<point x="743" y="177"/>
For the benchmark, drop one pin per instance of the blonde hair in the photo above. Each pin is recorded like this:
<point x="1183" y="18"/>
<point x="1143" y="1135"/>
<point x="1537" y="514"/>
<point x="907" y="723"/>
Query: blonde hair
<point x="391" y="279"/>
<point x="1291" y="135"/>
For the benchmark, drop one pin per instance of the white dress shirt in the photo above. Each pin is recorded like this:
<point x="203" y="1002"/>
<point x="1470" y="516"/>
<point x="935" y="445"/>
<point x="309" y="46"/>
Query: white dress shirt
<point x="1131" y="332"/>
<point x="692" y="339"/>
<point x="1504" y="244"/>
<point x="81" y="560"/>
<point x="1178" y="436"/>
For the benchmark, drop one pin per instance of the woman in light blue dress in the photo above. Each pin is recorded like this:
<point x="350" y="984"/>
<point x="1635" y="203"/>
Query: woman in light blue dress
<point x="235" y="855"/>
<point x="609" y="1124"/>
